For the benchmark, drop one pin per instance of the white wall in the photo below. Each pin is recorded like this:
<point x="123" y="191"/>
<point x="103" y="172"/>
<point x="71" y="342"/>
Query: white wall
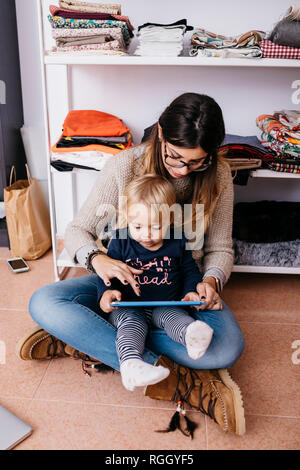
<point x="139" y="94"/>
<point x="33" y="131"/>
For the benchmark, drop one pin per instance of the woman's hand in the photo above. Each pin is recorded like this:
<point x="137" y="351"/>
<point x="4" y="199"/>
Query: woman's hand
<point x="108" y="268"/>
<point x="107" y="298"/>
<point x="208" y="293"/>
<point x="192" y="296"/>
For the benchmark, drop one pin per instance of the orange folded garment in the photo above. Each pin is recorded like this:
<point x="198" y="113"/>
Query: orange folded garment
<point x="93" y="124"/>
<point x="91" y="147"/>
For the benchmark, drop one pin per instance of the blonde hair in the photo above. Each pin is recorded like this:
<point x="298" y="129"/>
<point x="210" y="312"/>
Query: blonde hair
<point x="154" y="191"/>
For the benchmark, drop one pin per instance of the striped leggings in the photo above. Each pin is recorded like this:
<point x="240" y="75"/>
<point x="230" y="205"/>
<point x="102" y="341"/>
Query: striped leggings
<point x="133" y="324"/>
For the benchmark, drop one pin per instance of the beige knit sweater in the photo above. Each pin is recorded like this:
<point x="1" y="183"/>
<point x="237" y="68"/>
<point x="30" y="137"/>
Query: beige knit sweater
<point x="217" y="252"/>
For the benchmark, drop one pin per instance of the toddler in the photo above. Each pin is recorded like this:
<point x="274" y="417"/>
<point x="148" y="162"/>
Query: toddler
<point x="169" y="273"/>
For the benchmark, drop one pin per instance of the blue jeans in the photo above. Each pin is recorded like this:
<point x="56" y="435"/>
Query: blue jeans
<point x="69" y="311"/>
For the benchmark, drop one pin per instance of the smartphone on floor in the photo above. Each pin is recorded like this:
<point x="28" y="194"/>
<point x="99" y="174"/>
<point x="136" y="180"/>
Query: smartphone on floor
<point x="18" y="265"/>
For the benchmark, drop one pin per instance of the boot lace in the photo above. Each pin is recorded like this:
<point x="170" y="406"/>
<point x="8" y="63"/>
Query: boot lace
<point x="56" y="348"/>
<point x="184" y="397"/>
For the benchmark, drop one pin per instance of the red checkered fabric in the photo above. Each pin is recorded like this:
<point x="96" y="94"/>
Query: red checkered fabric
<point x="275" y="51"/>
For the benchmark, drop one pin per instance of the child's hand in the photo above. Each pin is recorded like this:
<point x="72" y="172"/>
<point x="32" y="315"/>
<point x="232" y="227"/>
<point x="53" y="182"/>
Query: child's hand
<point x="108" y="297"/>
<point x="192" y="296"/>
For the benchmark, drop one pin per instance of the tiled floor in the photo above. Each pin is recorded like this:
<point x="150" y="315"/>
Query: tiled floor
<point x="69" y="411"/>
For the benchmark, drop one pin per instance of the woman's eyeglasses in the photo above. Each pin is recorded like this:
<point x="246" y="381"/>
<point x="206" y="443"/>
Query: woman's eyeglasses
<point x="195" y="166"/>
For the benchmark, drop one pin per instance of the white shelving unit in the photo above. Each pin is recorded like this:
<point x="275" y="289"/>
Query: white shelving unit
<point x="61" y="63"/>
<point x="273" y="174"/>
<point x="65" y="59"/>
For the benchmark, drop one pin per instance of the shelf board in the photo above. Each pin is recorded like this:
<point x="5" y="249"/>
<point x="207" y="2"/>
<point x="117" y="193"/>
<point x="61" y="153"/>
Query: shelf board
<point x="75" y="170"/>
<point x="254" y="174"/>
<point x="94" y="59"/>
<point x="265" y="269"/>
<point x="273" y="174"/>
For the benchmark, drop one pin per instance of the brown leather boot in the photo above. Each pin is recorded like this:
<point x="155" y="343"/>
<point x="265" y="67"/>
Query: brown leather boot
<point x="37" y="344"/>
<point x="213" y="392"/>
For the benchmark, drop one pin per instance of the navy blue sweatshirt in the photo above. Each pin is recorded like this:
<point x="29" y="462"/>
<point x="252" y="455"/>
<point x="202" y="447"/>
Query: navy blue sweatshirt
<point x="168" y="273"/>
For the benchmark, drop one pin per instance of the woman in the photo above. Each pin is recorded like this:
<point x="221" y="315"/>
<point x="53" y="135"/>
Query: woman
<point x="182" y="147"/>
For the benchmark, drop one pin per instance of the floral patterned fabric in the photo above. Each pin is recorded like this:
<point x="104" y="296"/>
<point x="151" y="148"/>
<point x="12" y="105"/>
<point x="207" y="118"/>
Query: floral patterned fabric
<point x="204" y="38"/>
<point x="59" y="22"/>
<point x="281" y="134"/>
<point x="280" y="148"/>
<point x="208" y="44"/>
<point x="56" y="11"/>
<point x="269" y="124"/>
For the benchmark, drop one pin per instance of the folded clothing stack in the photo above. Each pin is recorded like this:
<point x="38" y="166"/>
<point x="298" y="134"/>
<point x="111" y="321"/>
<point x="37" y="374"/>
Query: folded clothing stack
<point x="266" y="233"/>
<point x="284" y="41"/>
<point x="89" y="28"/>
<point x="280" y="132"/>
<point x="271" y="50"/>
<point x="88" y="140"/>
<point x="244" y="154"/>
<point x="207" y="44"/>
<point x="161" y="39"/>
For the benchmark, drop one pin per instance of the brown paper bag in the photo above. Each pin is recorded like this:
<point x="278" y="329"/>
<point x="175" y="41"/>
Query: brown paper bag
<point x="27" y="218"/>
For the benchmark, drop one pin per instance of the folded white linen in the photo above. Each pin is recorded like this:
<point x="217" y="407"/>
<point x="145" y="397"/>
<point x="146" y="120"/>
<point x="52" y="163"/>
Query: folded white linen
<point x="92" y="159"/>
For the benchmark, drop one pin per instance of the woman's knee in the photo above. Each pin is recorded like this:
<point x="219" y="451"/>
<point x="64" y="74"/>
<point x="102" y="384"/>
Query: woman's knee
<point x="221" y="357"/>
<point x="233" y="353"/>
<point x="40" y="302"/>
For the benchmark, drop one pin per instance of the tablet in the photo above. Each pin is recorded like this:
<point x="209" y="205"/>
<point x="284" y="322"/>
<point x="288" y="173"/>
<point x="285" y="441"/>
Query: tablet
<point x="155" y="303"/>
<point x="12" y="430"/>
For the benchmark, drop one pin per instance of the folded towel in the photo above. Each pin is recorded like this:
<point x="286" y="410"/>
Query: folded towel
<point x="108" y="46"/>
<point x="275" y="51"/>
<point x="266" y="221"/>
<point x="242" y="52"/>
<point x="90" y="7"/>
<point x="93" y="123"/>
<point x="281" y="254"/>
<point x="99" y="39"/>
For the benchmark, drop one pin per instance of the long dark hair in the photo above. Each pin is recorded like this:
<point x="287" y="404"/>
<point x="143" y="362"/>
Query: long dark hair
<point x="190" y="121"/>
